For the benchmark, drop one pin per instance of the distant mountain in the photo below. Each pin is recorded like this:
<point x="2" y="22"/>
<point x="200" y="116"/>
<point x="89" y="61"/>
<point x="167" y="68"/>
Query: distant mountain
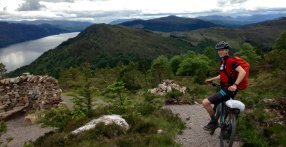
<point x="105" y="45"/>
<point x="277" y="23"/>
<point x="13" y="33"/>
<point x="119" y="21"/>
<point x="170" y="24"/>
<point x="238" y="21"/>
<point x="262" y="35"/>
<point x="227" y="21"/>
<point x="72" y="26"/>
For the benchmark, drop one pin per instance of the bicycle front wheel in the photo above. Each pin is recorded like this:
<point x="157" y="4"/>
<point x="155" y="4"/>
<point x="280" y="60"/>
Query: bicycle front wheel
<point x="228" y="130"/>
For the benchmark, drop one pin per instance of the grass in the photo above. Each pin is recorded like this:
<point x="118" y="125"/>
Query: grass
<point x="142" y="112"/>
<point x="3" y="127"/>
<point x="276" y="135"/>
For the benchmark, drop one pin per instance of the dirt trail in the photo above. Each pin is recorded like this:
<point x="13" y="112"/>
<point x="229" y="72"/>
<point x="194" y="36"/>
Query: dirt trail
<point x="19" y="131"/>
<point x="195" y="117"/>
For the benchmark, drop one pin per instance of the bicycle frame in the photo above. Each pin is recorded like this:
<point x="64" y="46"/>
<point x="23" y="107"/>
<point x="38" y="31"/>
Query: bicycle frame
<point x="228" y="125"/>
<point x="227" y="120"/>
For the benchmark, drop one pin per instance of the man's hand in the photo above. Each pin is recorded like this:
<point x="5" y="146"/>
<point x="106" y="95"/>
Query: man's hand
<point x="232" y="88"/>
<point x="208" y="80"/>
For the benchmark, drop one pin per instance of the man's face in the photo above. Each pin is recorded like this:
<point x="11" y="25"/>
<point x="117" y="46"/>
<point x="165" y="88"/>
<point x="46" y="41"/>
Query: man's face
<point x="222" y="52"/>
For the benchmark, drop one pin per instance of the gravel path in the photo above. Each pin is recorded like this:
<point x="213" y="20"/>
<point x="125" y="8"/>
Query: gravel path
<point x="195" y="117"/>
<point x="19" y="132"/>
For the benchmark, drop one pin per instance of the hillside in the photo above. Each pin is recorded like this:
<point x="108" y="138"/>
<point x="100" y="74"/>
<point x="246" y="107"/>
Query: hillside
<point x="237" y="21"/>
<point x="105" y="45"/>
<point x="14" y="33"/>
<point x="261" y="35"/>
<point x="75" y="26"/>
<point x="119" y="21"/>
<point x="170" y="24"/>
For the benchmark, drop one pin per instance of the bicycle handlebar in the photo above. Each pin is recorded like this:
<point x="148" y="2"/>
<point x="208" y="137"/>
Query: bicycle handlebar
<point x="214" y="84"/>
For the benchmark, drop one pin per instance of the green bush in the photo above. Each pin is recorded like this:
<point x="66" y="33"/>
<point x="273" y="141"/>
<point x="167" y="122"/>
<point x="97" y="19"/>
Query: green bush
<point x="281" y="42"/>
<point x="174" y="62"/>
<point x="250" y="99"/>
<point x="199" y="67"/>
<point x="145" y="126"/>
<point x="187" y="99"/>
<point x="59" y="117"/>
<point x="160" y="69"/>
<point x="276" y="135"/>
<point x="75" y="123"/>
<point x="201" y="91"/>
<point x="250" y="135"/>
<point x="56" y="117"/>
<point x="51" y="139"/>
<point x="132" y="118"/>
<point x="136" y="140"/>
<point x="166" y="119"/>
<point x="175" y="94"/>
<point x="3" y="127"/>
<point x="253" y="139"/>
<point x="149" y="96"/>
<point x="145" y="108"/>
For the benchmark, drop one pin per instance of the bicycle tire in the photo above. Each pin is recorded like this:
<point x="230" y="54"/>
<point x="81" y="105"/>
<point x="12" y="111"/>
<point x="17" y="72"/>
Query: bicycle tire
<point x="227" y="138"/>
<point x="223" y="120"/>
<point x="233" y="128"/>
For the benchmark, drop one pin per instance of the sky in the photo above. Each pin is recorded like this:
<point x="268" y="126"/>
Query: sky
<point x="104" y="11"/>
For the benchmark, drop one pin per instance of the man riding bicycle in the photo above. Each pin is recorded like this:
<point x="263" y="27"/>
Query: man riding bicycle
<point x="229" y="82"/>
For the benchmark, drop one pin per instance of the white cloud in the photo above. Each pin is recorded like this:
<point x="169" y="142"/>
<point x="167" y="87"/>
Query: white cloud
<point x="30" y="5"/>
<point x="222" y="3"/>
<point x="106" y="10"/>
<point x="10" y="5"/>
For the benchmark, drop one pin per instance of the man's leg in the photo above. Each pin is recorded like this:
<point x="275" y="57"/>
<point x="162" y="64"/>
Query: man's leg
<point x="208" y="107"/>
<point x="213" y="124"/>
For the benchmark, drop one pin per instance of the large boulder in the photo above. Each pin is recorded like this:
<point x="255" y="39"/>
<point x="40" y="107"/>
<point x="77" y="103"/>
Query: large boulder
<point x="107" y="120"/>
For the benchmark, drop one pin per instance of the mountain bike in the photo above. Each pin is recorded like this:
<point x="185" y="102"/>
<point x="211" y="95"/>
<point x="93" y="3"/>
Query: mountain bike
<point x="227" y="114"/>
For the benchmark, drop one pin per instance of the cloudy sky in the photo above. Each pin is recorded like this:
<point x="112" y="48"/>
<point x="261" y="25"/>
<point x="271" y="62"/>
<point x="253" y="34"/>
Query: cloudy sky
<point x="99" y="11"/>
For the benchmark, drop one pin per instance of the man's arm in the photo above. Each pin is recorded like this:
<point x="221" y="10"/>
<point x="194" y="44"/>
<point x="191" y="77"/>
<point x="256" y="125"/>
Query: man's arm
<point x="213" y="78"/>
<point x="241" y="74"/>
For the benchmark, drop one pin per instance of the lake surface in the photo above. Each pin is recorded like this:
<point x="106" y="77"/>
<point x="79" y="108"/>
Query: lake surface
<point x="20" y="54"/>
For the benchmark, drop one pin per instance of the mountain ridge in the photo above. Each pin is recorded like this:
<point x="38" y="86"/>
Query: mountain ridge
<point x="170" y="24"/>
<point x="74" y="26"/>
<point x="14" y="33"/>
<point x="238" y="21"/>
<point x="262" y="35"/>
<point x="105" y="45"/>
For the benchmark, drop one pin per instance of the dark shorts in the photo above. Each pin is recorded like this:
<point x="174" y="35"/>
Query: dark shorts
<point x="222" y="95"/>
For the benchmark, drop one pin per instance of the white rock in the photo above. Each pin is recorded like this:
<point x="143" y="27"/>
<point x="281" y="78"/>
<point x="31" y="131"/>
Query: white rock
<point x="169" y="89"/>
<point x="106" y="119"/>
<point x="153" y="91"/>
<point x="31" y="118"/>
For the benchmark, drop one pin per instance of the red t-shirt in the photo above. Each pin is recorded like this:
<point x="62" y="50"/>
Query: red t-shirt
<point x="228" y="64"/>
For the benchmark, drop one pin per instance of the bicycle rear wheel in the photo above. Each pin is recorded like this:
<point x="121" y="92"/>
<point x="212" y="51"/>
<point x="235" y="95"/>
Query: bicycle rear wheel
<point x="228" y="130"/>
